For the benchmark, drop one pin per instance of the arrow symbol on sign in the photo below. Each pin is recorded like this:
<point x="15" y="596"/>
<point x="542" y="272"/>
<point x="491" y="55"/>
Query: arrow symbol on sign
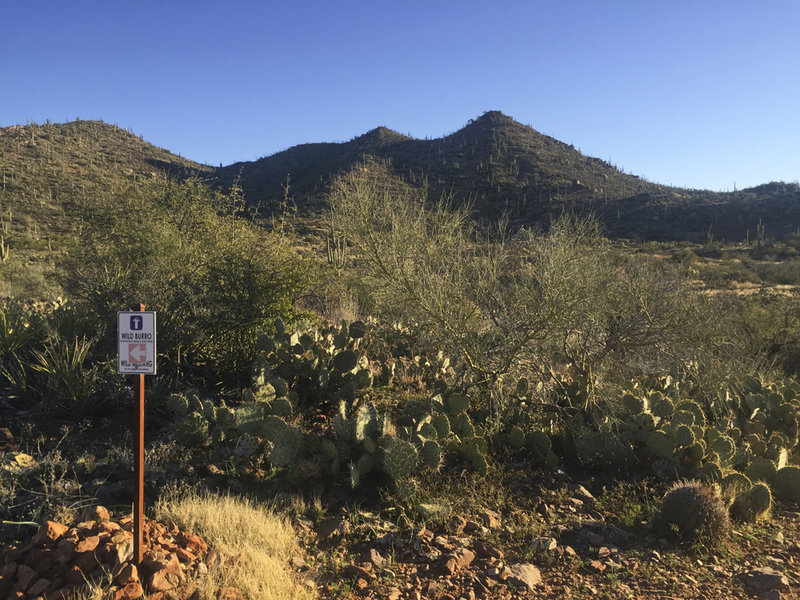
<point x="136" y="353"/>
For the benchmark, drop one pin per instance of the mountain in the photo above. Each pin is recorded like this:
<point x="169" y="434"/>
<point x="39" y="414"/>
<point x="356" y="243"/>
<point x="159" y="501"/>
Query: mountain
<point x="502" y="167"/>
<point x="52" y="173"/>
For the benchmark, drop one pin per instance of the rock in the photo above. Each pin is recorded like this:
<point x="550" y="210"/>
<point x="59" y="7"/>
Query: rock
<point x="229" y="593"/>
<point x="376" y="558"/>
<point x="88" y="544"/>
<point x="524" y="574"/>
<point x="393" y="594"/>
<point x="48" y="533"/>
<point x="580" y="492"/>
<point x="770" y="595"/>
<point x="95" y="513"/>
<point x="167" y="578"/>
<point x="130" y="591"/>
<point x="489" y="518"/>
<point x="25" y="576"/>
<point x="332" y="526"/>
<point x="193" y="543"/>
<point x="544" y="544"/>
<point x="457" y="525"/>
<point x="596" y="565"/>
<point x="487" y="550"/>
<point x="127" y="573"/>
<point x="763" y="579"/>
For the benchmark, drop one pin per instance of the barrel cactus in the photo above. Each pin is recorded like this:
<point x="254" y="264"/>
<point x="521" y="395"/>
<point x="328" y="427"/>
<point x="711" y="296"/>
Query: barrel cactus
<point x="696" y="512"/>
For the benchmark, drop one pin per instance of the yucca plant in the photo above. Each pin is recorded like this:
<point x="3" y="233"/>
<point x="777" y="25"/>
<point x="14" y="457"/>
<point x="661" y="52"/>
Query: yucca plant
<point x="67" y="384"/>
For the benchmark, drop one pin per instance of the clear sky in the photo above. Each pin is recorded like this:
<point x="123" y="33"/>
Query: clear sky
<point x="696" y="93"/>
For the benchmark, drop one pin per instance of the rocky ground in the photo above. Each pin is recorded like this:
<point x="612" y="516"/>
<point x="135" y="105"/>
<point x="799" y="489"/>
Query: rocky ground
<point x="582" y="550"/>
<point x="513" y="534"/>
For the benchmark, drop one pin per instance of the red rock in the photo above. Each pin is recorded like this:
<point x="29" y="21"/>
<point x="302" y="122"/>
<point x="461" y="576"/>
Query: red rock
<point x="95" y="513"/>
<point x="168" y="578"/>
<point x="109" y="527"/>
<point x="64" y="551"/>
<point x="38" y="587"/>
<point x="490" y="518"/>
<point x="25" y="576"/>
<point x="229" y="593"/>
<point x="48" y="533"/>
<point x="130" y="591"/>
<point x="184" y="555"/>
<point x="86" y="561"/>
<point x="193" y="543"/>
<point x="88" y="544"/>
<point x="127" y="573"/>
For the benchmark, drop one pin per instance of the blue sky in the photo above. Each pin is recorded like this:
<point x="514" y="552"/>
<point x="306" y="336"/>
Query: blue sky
<point x="696" y="93"/>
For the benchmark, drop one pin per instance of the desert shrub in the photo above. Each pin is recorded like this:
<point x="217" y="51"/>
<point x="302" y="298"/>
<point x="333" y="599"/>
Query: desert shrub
<point x="186" y="252"/>
<point x="533" y="300"/>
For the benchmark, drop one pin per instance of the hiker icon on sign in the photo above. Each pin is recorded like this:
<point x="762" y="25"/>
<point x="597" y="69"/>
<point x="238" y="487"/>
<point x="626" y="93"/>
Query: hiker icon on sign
<point x="137" y="323"/>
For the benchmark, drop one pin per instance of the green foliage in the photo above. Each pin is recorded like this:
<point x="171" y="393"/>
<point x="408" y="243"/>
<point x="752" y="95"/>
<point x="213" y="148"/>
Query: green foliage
<point x="187" y="253"/>
<point x="787" y="483"/>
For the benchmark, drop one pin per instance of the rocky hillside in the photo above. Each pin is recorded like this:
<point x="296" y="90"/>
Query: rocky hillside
<point x="51" y="173"/>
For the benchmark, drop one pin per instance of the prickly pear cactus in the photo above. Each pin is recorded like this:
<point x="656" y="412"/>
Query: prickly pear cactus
<point x="787" y="483"/>
<point x="752" y="505"/>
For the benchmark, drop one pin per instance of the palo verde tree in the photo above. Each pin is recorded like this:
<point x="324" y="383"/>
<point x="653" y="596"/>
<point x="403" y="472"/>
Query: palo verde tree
<point x="551" y="301"/>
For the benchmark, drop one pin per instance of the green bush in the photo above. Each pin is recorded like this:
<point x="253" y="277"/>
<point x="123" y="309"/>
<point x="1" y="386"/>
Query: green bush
<point x="186" y="252"/>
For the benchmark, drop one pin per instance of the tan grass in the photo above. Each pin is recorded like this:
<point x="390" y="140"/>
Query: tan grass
<point x="239" y="527"/>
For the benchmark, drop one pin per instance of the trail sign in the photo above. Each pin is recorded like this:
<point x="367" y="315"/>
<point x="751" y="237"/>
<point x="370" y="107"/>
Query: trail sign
<point x="137" y="342"/>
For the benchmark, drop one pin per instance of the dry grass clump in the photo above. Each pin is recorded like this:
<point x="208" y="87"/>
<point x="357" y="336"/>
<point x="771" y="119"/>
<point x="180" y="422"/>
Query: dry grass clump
<point x="259" y="542"/>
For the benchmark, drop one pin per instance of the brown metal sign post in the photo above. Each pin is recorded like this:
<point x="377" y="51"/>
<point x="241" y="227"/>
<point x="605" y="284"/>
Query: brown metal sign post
<point x="137" y="356"/>
<point x="138" y="470"/>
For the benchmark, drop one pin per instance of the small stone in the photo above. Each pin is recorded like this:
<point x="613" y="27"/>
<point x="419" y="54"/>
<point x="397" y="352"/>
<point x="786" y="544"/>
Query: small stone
<point x="95" y="513"/>
<point x="48" y="533"/>
<point x="763" y="579"/>
<point x="580" y="492"/>
<point x="457" y="525"/>
<point x="524" y="574"/>
<point x="393" y="594"/>
<point x="127" y="573"/>
<point x="130" y="591"/>
<point x="25" y="576"/>
<point x="596" y="565"/>
<point x="544" y="544"/>
<point x="167" y="578"/>
<point x="193" y="543"/>
<point x="778" y="538"/>
<point x="332" y="526"/>
<point x="229" y="593"/>
<point x="88" y="544"/>
<point x="376" y="558"/>
<point x="487" y="550"/>
<point x="359" y="572"/>
<point x="490" y="518"/>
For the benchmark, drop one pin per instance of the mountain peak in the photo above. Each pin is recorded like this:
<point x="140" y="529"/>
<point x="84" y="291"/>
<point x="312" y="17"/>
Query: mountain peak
<point x="381" y="135"/>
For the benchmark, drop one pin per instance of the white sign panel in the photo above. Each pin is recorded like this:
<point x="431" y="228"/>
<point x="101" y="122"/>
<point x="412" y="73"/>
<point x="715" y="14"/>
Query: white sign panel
<point x="137" y="342"/>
